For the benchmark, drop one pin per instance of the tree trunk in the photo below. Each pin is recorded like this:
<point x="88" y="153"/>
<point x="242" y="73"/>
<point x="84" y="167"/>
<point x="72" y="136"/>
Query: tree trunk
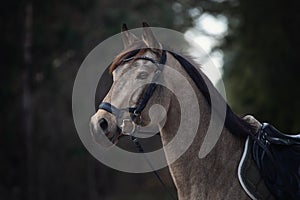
<point x="27" y="101"/>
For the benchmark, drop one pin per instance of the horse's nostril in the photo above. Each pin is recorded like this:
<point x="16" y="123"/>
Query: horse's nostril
<point x="103" y="124"/>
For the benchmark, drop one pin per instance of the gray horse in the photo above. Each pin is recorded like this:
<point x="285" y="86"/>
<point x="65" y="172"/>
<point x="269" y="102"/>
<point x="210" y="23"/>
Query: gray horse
<point x="211" y="177"/>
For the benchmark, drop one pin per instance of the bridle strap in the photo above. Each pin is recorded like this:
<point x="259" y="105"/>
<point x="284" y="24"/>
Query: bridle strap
<point x="114" y="110"/>
<point x="136" y="111"/>
<point x="151" y="88"/>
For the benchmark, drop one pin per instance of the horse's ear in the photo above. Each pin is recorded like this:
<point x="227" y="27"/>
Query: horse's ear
<point x="127" y="37"/>
<point x="149" y="37"/>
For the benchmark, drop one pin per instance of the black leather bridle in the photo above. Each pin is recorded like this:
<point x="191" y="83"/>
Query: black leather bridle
<point x="136" y="111"/>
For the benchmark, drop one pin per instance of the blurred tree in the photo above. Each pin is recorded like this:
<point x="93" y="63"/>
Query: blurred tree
<point x="41" y="156"/>
<point x="261" y="62"/>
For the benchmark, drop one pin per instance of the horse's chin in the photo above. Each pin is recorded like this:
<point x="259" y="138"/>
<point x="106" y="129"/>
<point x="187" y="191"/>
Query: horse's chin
<point x="114" y="137"/>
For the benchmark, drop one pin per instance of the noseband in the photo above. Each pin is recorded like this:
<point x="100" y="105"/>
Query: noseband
<point x="136" y="111"/>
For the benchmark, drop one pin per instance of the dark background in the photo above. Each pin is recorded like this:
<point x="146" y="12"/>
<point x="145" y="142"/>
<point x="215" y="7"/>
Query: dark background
<point x="43" y="44"/>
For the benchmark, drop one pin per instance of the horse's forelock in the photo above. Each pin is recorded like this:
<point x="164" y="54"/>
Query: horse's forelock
<point x="137" y="49"/>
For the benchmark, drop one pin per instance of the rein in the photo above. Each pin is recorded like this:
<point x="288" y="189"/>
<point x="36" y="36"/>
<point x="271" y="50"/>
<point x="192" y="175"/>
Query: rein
<point x="135" y="112"/>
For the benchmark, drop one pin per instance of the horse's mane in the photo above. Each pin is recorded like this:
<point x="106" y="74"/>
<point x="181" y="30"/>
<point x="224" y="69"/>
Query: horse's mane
<point x="235" y="124"/>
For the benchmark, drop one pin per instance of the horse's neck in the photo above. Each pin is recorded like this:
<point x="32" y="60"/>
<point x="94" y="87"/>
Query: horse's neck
<point x="213" y="176"/>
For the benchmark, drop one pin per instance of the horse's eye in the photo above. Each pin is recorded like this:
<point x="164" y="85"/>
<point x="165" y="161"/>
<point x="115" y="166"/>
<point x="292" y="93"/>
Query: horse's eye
<point x="142" y="75"/>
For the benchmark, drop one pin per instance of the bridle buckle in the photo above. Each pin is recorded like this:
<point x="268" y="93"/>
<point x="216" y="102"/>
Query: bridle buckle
<point x="128" y="127"/>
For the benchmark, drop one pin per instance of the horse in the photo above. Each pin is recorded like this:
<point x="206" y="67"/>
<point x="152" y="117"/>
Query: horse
<point x="211" y="177"/>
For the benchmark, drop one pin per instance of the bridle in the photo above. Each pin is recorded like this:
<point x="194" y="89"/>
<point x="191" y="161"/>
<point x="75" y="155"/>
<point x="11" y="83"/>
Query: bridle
<point x="135" y="112"/>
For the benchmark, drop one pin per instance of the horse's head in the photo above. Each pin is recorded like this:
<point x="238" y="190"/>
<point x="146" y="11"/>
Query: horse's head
<point x="129" y="102"/>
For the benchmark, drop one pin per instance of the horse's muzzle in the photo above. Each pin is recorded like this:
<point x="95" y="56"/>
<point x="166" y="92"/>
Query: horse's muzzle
<point x="102" y="133"/>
